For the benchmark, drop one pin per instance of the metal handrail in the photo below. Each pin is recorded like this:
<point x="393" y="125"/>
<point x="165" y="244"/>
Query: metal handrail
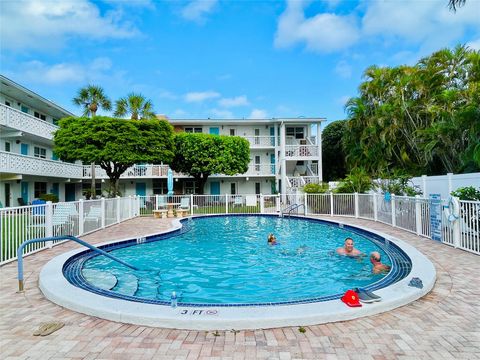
<point x="63" y="237"/>
<point x="290" y="208"/>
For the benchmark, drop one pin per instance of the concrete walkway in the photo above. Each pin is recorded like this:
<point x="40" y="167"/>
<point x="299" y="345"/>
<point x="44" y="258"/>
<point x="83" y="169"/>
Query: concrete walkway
<point x="445" y="324"/>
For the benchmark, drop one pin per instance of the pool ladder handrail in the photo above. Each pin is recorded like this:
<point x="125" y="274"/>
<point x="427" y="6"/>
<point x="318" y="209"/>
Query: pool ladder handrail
<point x="62" y="237"/>
<point x="288" y="210"/>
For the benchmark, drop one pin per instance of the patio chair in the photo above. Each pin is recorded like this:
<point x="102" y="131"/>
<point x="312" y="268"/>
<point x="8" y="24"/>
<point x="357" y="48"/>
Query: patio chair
<point x="94" y="214"/>
<point x="184" y="203"/>
<point x="162" y="202"/>
<point x="238" y="201"/>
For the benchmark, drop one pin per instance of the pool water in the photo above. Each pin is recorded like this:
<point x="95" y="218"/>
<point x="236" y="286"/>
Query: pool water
<point x="226" y="260"/>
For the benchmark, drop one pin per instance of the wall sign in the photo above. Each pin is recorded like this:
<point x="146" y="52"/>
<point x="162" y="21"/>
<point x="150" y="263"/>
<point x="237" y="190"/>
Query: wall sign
<point x="436" y="216"/>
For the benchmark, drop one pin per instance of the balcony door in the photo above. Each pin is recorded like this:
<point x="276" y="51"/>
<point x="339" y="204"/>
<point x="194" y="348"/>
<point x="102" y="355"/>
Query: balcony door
<point x="24" y="191"/>
<point x="215" y="188"/>
<point x="7" y="195"/>
<point x="214" y="131"/>
<point x="24" y="149"/>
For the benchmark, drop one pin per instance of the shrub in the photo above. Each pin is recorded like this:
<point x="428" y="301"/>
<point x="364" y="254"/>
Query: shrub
<point x="399" y="185"/>
<point x="357" y="181"/>
<point x="315" y="188"/>
<point x="467" y="193"/>
<point x="49" y="197"/>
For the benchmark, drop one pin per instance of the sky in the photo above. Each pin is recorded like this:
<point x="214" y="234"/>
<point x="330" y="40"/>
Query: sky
<point x="222" y="59"/>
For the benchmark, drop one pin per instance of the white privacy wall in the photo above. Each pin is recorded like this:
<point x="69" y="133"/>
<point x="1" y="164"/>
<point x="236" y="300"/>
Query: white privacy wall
<point x="444" y="184"/>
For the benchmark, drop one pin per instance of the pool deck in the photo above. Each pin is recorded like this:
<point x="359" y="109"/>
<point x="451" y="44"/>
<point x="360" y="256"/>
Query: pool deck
<point x="443" y="324"/>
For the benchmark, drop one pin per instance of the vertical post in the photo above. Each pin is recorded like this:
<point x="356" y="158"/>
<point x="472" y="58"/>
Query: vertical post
<point x="262" y="204"/>
<point x="424" y="185"/>
<point x="331" y="204"/>
<point x="356" y="205"/>
<point x="305" y="204"/>
<point x="93" y="189"/>
<point x="130" y="206"/>
<point x="156" y="202"/>
<point x="277" y="203"/>
<point x="418" y="215"/>
<point x="394" y="220"/>
<point x="102" y="202"/>
<point x="191" y="204"/>
<point x="81" y="217"/>
<point x="49" y="222"/>
<point x="117" y="200"/>
<point x="375" y="207"/>
<point x="456" y="232"/>
<point x="283" y="161"/>
<point x="450" y="188"/>
<point x="319" y="144"/>
<point x="226" y="203"/>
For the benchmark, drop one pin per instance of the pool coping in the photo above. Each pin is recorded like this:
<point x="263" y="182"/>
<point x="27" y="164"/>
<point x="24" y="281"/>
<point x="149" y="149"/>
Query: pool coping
<point x="57" y="289"/>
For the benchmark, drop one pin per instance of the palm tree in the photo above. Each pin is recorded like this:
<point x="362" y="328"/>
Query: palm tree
<point x="136" y="105"/>
<point x="455" y="4"/>
<point x="91" y="98"/>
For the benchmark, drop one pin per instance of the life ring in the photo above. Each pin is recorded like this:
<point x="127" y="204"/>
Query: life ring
<point x="452" y="211"/>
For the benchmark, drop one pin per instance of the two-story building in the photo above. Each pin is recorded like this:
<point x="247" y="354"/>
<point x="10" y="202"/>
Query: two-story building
<point x="284" y="155"/>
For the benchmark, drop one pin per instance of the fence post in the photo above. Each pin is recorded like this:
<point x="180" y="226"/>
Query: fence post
<point x="375" y="207"/>
<point x="331" y="204"/>
<point x="456" y="226"/>
<point x="277" y="203"/>
<point x="356" y="205"/>
<point x="262" y="204"/>
<point x="226" y="203"/>
<point x="191" y="204"/>
<point x="156" y="202"/>
<point x="102" y="203"/>
<point x="418" y="214"/>
<point x="450" y="188"/>
<point x="48" y="222"/>
<point x="305" y="204"/>
<point x="81" y="211"/>
<point x="118" y="210"/>
<point x="130" y="207"/>
<point x="394" y="220"/>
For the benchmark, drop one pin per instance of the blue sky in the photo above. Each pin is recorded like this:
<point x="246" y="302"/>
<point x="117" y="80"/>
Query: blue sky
<point x="222" y="59"/>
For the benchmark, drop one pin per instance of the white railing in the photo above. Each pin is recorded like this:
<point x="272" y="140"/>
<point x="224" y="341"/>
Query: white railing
<point x="301" y="150"/>
<point x="18" y="120"/>
<point x="260" y="141"/>
<point x="311" y="179"/>
<point x="29" y="165"/>
<point x="20" y="224"/>
<point x="260" y="169"/>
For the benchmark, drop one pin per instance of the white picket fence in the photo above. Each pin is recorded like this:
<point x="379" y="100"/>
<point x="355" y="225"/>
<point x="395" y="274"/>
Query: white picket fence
<point x="19" y="224"/>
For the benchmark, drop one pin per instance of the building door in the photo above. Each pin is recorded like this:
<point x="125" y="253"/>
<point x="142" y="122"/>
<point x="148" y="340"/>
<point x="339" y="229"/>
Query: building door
<point x="24" y="191"/>
<point x="7" y="195"/>
<point x="141" y="189"/>
<point x="272" y="163"/>
<point x="257" y="137"/>
<point x="55" y="189"/>
<point x="69" y="192"/>
<point x="214" y="131"/>
<point x="257" y="163"/>
<point x="24" y="149"/>
<point x="215" y="188"/>
<point x="272" y="136"/>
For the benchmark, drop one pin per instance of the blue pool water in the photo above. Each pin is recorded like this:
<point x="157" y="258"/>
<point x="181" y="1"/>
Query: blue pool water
<point x="226" y="260"/>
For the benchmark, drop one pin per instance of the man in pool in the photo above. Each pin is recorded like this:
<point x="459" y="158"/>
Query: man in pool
<point x="378" y="267"/>
<point x="271" y="240"/>
<point x="348" y="249"/>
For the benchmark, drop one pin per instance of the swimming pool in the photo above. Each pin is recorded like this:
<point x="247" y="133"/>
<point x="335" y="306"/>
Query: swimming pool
<point x="225" y="260"/>
<point x="228" y="277"/>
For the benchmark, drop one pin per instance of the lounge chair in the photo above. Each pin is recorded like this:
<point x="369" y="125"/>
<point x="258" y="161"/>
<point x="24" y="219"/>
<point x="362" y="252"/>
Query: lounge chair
<point x="238" y="201"/>
<point x="94" y="214"/>
<point x="184" y="203"/>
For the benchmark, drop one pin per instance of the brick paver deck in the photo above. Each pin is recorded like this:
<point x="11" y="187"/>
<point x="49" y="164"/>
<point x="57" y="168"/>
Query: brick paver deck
<point x="445" y="324"/>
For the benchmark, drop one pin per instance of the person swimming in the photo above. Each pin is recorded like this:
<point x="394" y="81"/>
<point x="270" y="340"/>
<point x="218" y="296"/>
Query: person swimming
<point x="271" y="240"/>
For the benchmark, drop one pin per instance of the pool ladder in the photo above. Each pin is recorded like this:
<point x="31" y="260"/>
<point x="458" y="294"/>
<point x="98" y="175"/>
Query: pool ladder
<point x="288" y="210"/>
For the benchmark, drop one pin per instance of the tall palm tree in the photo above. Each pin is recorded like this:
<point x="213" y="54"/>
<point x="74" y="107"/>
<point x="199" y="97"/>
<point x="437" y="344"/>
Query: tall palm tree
<point x="455" y="4"/>
<point x="91" y="98"/>
<point x="136" y="105"/>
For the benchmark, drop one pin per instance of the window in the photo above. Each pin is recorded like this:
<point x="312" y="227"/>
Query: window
<point x="43" y="117"/>
<point x="296" y="132"/>
<point x="40" y="116"/>
<point x="257" y="188"/>
<point x="24" y="109"/>
<point x="257" y="163"/>
<point x="7" y="146"/>
<point x="55" y="121"/>
<point x="86" y="186"/>
<point x="257" y="134"/>
<point x="193" y="130"/>
<point x="7" y="103"/>
<point x="159" y="186"/>
<point x="40" y="189"/>
<point x="233" y="188"/>
<point x="232" y="132"/>
<point x="40" y="152"/>
<point x="191" y="187"/>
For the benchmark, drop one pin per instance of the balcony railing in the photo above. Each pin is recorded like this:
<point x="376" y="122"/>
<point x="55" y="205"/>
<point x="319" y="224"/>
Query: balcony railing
<point x="301" y="151"/>
<point x="260" y="141"/>
<point x="18" y="120"/>
<point x="28" y="165"/>
<point x="261" y="170"/>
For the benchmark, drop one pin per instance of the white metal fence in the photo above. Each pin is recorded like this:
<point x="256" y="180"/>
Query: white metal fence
<point x="413" y="214"/>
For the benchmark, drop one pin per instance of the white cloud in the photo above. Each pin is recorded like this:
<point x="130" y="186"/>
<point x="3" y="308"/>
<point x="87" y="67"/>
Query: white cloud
<point x="323" y="32"/>
<point x="201" y="96"/>
<point x="47" y="24"/>
<point x="165" y="94"/>
<point x="258" y="114"/>
<point x="36" y="71"/>
<point x="343" y="69"/>
<point x="475" y="44"/>
<point x="179" y="113"/>
<point x="232" y="102"/>
<point x="196" y="10"/>
<point x="221" y="114"/>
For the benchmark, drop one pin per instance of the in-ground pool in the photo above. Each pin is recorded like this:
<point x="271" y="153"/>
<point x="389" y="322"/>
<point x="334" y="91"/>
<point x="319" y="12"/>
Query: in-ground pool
<point x="225" y="260"/>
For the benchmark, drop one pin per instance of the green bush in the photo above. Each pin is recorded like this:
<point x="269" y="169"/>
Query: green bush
<point x="398" y="185"/>
<point x="357" y="181"/>
<point x="49" y="197"/>
<point x="315" y="188"/>
<point x="467" y="193"/>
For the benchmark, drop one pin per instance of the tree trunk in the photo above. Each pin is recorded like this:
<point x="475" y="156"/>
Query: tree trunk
<point x="201" y="180"/>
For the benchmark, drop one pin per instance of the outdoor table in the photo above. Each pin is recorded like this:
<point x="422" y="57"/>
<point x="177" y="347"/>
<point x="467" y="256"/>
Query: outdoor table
<point x="170" y="208"/>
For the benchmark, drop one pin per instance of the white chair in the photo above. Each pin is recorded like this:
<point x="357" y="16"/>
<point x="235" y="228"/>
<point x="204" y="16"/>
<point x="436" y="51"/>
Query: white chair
<point x="238" y="201"/>
<point x="184" y="203"/>
<point x="162" y="202"/>
<point x="94" y="214"/>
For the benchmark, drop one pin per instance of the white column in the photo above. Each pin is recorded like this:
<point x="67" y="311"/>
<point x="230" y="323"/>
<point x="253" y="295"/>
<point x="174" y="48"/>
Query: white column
<point x="117" y="202"/>
<point x="49" y="222"/>
<point x="102" y="202"/>
<point x="356" y="205"/>
<point x="130" y="206"/>
<point x="226" y="203"/>
<point x="418" y="215"/>
<point x="331" y="204"/>
<point x="262" y="204"/>
<point x="283" y="162"/>
<point x="450" y="188"/>
<point x="81" y="216"/>
<point x="319" y="144"/>
<point x="375" y="207"/>
<point x="305" y="204"/>
<point x="394" y="219"/>
<point x="424" y="185"/>
<point x="191" y="204"/>
<point x="156" y="202"/>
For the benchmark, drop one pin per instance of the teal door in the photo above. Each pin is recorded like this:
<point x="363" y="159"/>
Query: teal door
<point x="55" y="189"/>
<point x="215" y="188"/>
<point x="272" y="136"/>
<point x="272" y="163"/>
<point x="69" y="192"/>
<point x="24" y="187"/>
<point x="141" y="189"/>
<point x="24" y="149"/>
<point x="214" y="131"/>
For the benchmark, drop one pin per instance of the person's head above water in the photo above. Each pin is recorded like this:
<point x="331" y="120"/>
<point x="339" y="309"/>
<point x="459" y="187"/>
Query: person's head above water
<point x="271" y="239"/>
<point x="348" y="248"/>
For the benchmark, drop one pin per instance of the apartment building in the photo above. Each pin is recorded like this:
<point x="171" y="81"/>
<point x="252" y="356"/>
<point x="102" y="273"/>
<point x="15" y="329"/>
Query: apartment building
<point x="285" y="155"/>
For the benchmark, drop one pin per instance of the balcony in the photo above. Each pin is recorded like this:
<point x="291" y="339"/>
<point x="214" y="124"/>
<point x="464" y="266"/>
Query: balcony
<point x="260" y="170"/>
<point x="18" y="120"/>
<point x="301" y="151"/>
<point x="261" y="141"/>
<point x="28" y="165"/>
